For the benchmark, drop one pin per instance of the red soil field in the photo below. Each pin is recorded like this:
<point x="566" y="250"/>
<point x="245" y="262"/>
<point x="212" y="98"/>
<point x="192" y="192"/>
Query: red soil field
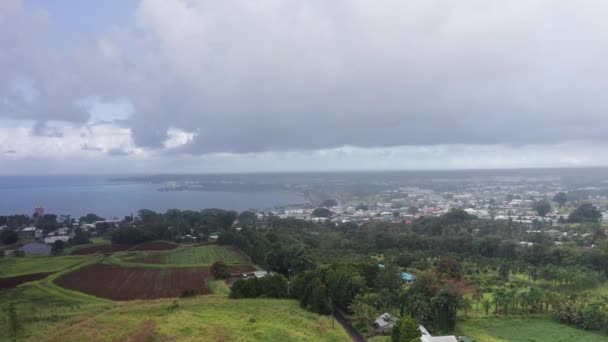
<point x="240" y="269"/>
<point x="154" y="246"/>
<point x="10" y="282"/>
<point x="129" y="283"/>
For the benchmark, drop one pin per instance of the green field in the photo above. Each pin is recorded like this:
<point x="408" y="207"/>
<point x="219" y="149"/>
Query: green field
<point x="209" y="318"/>
<point x="201" y="255"/>
<point x="525" y="329"/>
<point x="11" y="266"/>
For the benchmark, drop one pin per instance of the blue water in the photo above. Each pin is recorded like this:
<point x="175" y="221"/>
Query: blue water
<point x="79" y="195"/>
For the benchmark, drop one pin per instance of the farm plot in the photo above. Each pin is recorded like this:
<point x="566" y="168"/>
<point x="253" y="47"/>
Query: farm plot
<point x="11" y="267"/>
<point x="10" y="282"/>
<point x="101" y="249"/>
<point x="129" y="283"/>
<point x="154" y="246"/>
<point x="202" y="255"/>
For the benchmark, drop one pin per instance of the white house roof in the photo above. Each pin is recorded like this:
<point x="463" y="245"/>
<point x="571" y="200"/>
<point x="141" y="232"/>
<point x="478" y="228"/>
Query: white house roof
<point x="385" y="319"/>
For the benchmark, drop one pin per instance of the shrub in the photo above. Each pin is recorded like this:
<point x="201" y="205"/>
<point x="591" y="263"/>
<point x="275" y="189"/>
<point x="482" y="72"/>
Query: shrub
<point x="219" y="270"/>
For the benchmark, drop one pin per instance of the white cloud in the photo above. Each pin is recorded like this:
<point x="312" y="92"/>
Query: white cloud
<point x="177" y="137"/>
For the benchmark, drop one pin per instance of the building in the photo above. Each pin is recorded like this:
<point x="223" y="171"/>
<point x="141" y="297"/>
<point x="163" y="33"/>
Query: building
<point x="39" y="211"/>
<point x="385" y="323"/>
<point x="426" y="336"/>
<point x="256" y="274"/>
<point x="28" y="232"/>
<point x="51" y="239"/>
<point x="408" y="278"/>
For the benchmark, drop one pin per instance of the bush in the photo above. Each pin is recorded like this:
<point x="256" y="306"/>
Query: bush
<point x="18" y="253"/>
<point x="270" y="286"/>
<point x="9" y="237"/>
<point x="188" y="293"/>
<point x="219" y="270"/>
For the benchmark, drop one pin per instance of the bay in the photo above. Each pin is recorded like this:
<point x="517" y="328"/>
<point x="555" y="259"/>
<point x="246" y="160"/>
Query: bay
<point x="78" y="195"/>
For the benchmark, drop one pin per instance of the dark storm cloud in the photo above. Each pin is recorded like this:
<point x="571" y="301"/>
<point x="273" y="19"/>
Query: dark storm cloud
<point x="278" y="75"/>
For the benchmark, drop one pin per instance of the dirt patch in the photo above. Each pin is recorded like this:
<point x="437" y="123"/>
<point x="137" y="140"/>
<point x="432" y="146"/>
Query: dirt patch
<point x="129" y="283"/>
<point x="237" y="270"/>
<point x="154" y="246"/>
<point x="10" y="282"/>
<point x="102" y="249"/>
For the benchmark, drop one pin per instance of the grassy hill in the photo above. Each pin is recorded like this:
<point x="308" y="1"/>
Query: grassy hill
<point x="210" y="318"/>
<point x="48" y="312"/>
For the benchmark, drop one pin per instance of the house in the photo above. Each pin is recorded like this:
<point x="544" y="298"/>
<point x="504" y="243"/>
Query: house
<point x="408" y="278"/>
<point x="385" y="323"/>
<point x="51" y="239"/>
<point x="256" y="274"/>
<point x="426" y="336"/>
<point x="27" y="232"/>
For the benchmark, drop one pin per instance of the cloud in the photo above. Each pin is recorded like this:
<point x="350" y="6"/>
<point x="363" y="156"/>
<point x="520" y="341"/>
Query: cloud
<point x="236" y="78"/>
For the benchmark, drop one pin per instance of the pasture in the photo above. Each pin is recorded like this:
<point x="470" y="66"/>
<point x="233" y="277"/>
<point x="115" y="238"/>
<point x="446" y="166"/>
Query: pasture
<point x="208" y="318"/>
<point x="198" y="255"/>
<point x="11" y="266"/>
<point x="526" y="329"/>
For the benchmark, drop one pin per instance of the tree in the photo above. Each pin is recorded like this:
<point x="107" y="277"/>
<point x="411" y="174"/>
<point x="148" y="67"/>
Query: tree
<point x="9" y="237"/>
<point x="90" y="218"/>
<point x="561" y="198"/>
<point x="542" y="207"/>
<point x="81" y="237"/>
<point x="449" y="267"/>
<point x="586" y="212"/>
<point x="47" y="223"/>
<point x="247" y="217"/>
<point x="328" y="203"/>
<point x="406" y="330"/>
<point x="219" y="270"/>
<point x="321" y="212"/>
<point x="413" y="210"/>
<point x="57" y="247"/>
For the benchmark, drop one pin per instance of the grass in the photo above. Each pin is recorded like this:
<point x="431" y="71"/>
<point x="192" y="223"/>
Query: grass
<point x="94" y="242"/>
<point x="217" y="286"/>
<point x="213" y="318"/>
<point x="12" y="266"/>
<point x="526" y="329"/>
<point x="187" y="256"/>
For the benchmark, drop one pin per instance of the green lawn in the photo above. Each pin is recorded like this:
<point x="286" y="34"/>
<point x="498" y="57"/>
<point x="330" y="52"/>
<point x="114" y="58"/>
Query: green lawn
<point x="201" y="255"/>
<point x="525" y="329"/>
<point x="11" y="266"/>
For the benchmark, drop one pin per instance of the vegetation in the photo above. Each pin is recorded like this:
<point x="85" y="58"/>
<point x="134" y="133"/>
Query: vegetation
<point x="8" y="236"/>
<point x="219" y="270"/>
<point x="269" y="286"/>
<point x="406" y="330"/>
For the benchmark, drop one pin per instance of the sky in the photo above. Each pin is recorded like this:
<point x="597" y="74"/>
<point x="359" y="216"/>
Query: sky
<point x="185" y="86"/>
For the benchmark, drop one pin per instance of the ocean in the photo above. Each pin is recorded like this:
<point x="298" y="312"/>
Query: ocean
<point x="78" y="195"/>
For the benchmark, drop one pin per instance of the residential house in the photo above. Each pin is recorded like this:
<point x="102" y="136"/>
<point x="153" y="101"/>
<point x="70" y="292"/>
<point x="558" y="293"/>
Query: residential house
<point x="408" y="278"/>
<point x="384" y="323"/>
